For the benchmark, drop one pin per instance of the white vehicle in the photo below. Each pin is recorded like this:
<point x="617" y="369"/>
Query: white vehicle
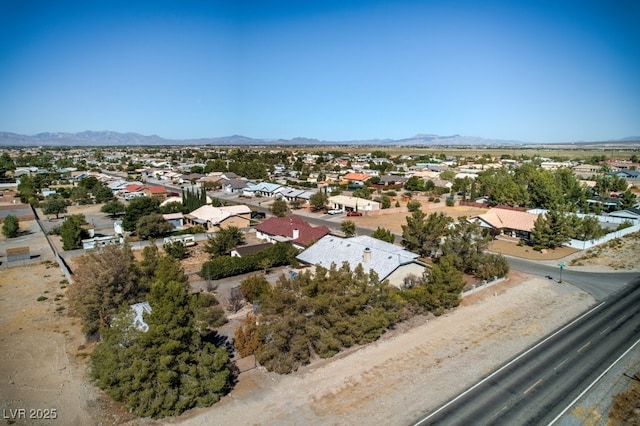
<point x="187" y="239"/>
<point x="335" y="211"/>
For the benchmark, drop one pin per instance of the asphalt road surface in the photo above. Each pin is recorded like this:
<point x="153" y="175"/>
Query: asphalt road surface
<point x="544" y="382"/>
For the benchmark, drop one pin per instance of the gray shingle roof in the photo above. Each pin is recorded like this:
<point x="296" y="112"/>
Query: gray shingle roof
<point x="385" y="257"/>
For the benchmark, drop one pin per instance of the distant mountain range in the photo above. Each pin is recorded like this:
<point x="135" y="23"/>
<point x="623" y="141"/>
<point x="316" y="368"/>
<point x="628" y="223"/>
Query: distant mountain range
<point x="108" y="138"/>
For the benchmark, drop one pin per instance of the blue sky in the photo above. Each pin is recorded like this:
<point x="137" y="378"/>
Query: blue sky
<point x="535" y="71"/>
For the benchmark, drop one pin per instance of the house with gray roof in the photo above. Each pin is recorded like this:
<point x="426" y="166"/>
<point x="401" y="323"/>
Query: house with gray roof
<point x="390" y="262"/>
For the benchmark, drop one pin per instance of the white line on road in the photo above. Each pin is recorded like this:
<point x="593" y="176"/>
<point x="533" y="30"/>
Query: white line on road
<point x="621" y="318"/>
<point x="593" y="384"/>
<point x="584" y="346"/>
<point x="532" y="386"/>
<point x="562" y="362"/>
<point x="507" y="365"/>
<point x="604" y="331"/>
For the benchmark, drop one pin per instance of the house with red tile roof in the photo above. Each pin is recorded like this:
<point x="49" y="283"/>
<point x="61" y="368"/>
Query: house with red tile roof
<point x="360" y="178"/>
<point x="156" y="191"/>
<point x="292" y="229"/>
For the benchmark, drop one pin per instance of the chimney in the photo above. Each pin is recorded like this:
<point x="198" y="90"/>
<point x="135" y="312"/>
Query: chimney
<point x="366" y="255"/>
<point x="296" y="233"/>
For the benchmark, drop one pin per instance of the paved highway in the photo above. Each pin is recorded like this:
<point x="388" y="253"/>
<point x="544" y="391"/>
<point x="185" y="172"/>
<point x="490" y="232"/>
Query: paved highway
<point x="542" y="383"/>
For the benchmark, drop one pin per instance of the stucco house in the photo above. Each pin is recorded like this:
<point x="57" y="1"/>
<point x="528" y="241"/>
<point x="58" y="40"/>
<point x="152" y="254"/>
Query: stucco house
<point x="216" y="218"/>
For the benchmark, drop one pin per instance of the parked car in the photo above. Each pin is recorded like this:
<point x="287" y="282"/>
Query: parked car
<point x="334" y="211"/>
<point x="353" y="213"/>
<point x="258" y="215"/>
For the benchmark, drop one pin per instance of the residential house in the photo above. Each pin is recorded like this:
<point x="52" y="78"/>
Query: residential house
<point x="262" y="189"/>
<point x="292" y="229"/>
<point x="236" y="186"/>
<point x="216" y="218"/>
<point x="508" y="222"/>
<point x="156" y="191"/>
<point x="175" y="219"/>
<point x="390" y="262"/>
<point x="347" y="203"/>
<point x="357" y="179"/>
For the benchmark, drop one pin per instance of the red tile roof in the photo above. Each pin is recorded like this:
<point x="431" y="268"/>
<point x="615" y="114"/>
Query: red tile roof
<point x="157" y="189"/>
<point x="284" y="226"/>
<point x="356" y="176"/>
<point x="134" y="187"/>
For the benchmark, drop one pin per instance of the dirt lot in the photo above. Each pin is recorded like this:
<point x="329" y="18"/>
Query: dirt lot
<point x="42" y="353"/>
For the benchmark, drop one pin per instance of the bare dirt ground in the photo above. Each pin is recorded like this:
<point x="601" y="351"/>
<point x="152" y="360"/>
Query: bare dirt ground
<point x="43" y="355"/>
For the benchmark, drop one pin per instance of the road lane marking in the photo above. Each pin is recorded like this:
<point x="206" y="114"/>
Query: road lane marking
<point x="532" y="386"/>
<point x="516" y="359"/>
<point x="562" y="362"/>
<point x="584" y="346"/>
<point x="593" y="384"/>
<point x="604" y="331"/>
<point x="621" y="318"/>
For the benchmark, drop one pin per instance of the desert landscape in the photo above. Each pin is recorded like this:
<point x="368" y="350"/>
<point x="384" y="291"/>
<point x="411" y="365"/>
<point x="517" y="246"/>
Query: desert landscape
<point x="411" y="370"/>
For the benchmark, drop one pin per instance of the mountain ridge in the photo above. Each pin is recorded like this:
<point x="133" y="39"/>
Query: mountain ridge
<point x="111" y="138"/>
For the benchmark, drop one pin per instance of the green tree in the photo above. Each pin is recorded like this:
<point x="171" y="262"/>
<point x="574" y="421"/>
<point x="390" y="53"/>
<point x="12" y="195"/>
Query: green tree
<point x="10" y="226"/>
<point x="152" y="226"/>
<point x="224" y="241"/>
<point x="138" y="207"/>
<point x="113" y="208"/>
<point x="386" y="202"/>
<point x="465" y="244"/>
<point x="102" y="284"/>
<point x="628" y="200"/>
<point x="255" y="287"/>
<point x="445" y="284"/>
<point x="102" y="193"/>
<point x="384" y="235"/>
<point x="168" y="369"/>
<point x="72" y="232"/>
<point x="348" y="228"/>
<point x="55" y="205"/>
<point x="279" y="208"/>
<point x="423" y="234"/>
<point x="550" y="230"/>
<point x="28" y="189"/>
<point x="176" y="249"/>
<point x="414" y="205"/>
<point x="318" y="201"/>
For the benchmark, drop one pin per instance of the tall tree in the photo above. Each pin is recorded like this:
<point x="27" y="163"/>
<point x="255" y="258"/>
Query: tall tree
<point x="384" y="234"/>
<point x="423" y="234"/>
<point x="224" y="241"/>
<point x="10" y="226"/>
<point x="465" y="244"/>
<point x="279" y="208"/>
<point x="152" y="226"/>
<point x="318" y="201"/>
<point x="55" y="205"/>
<point x="168" y="369"/>
<point x="113" y="208"/>
<point x="103" y="283"/>
<point x="348" y="228"/>
<point x="72" y="233"/>
<point x="138" y="207"/>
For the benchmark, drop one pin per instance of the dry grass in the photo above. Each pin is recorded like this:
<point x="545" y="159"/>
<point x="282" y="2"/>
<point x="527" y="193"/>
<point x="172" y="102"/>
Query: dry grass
<point x="527" y="252"/>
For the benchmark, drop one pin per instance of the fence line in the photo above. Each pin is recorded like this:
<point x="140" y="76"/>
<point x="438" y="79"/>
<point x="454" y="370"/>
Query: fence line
<point x="61" y="262"/>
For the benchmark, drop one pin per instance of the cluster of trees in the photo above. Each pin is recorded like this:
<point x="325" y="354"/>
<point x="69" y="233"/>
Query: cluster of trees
<point x="556" y="228"/>
<point x="333" y="309"/>
<point x="193" y="199"/>
<point x="171" y="367"/>
<point x="534" y="187"/>
<point x="436" y="236"/>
